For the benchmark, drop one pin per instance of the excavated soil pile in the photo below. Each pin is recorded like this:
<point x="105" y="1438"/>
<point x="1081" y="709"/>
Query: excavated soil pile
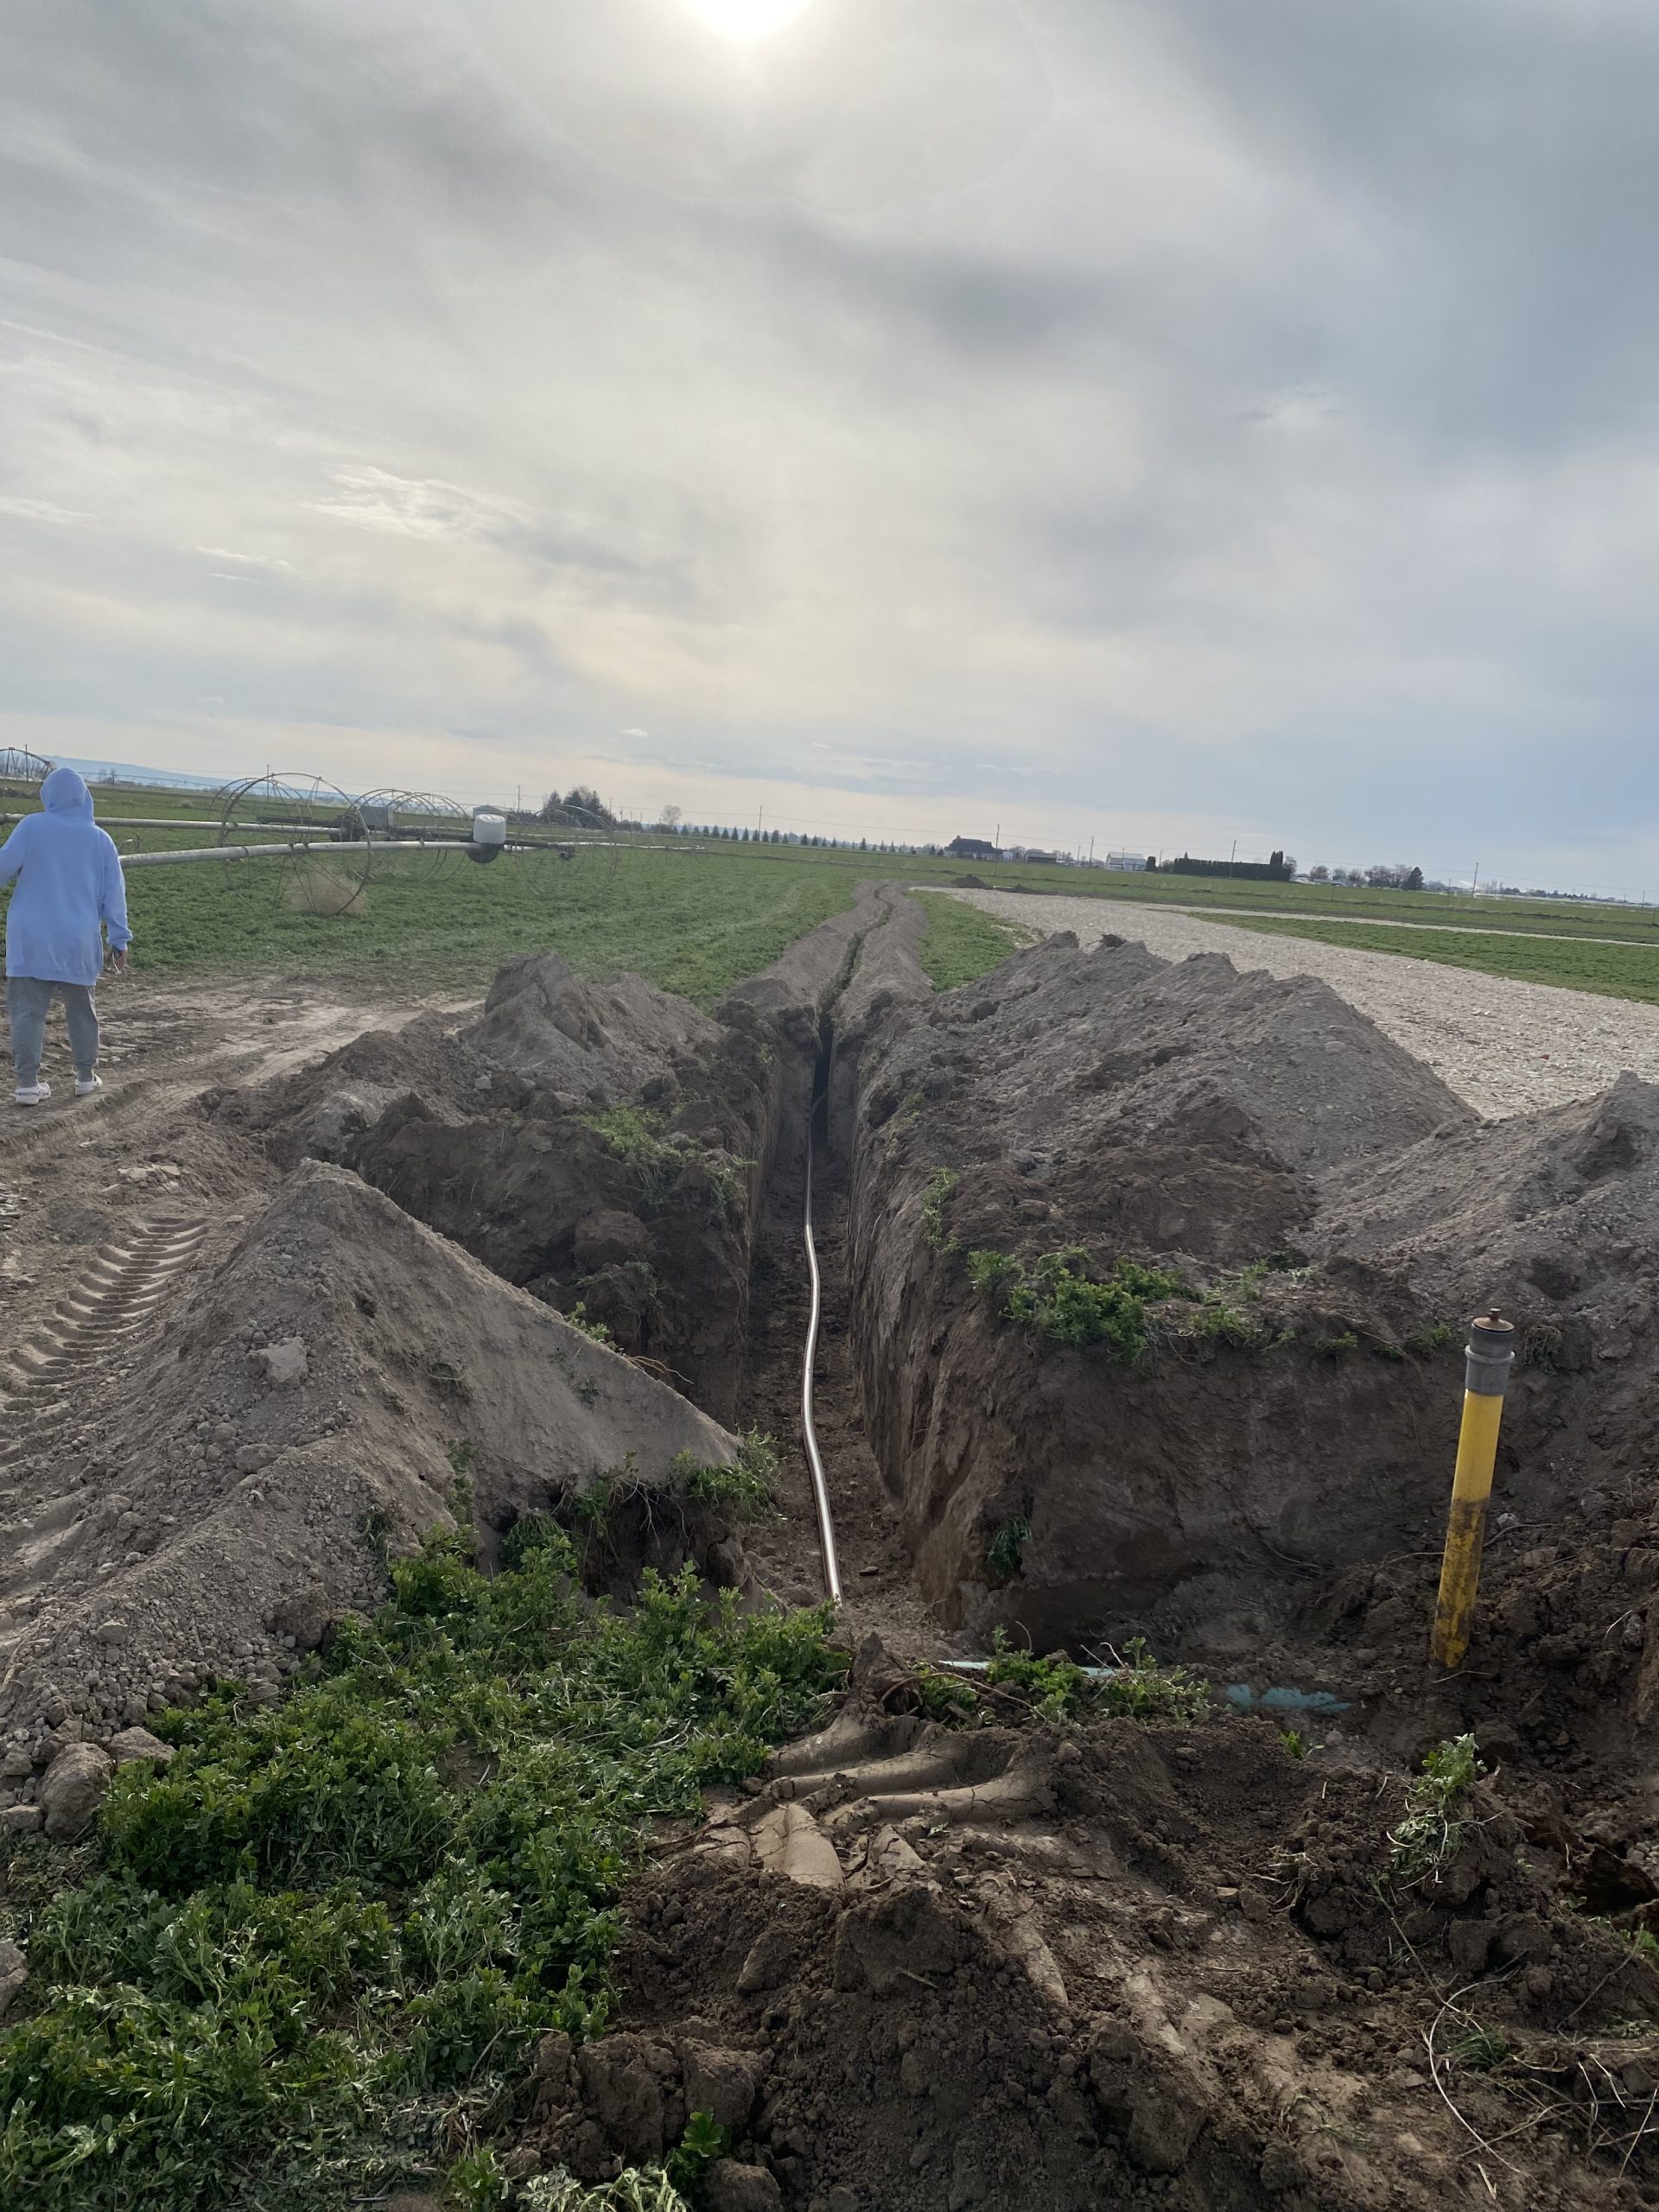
<point x="1553" y="1213"/>
<point x="1332" y="1215"/>
<point x="1017" y="1966"/>
<point x="308" y="1405"/>
<point x="600" y="1142"/>
<point x="1183" y="1114"/>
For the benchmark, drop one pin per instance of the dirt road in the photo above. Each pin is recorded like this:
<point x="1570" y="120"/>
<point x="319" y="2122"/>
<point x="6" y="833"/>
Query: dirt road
<point x="1507" y="1047"/>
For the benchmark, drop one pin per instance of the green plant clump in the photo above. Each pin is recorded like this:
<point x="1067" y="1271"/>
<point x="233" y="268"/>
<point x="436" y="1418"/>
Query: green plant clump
<point x="1438" y="1338"/>
<point x="941" y="1188"/>
<point x="748" y="1482"/>
<point x="578" y="1319"/>
<point x="1056" y="1298"/>
<point x="1138" y="1688"/>
<point x="1007" y="1547"/>
<point x="632" y="1133"/>
<point x="1429" y="1835"/>
<point x="946" y="1696"/>
<point x="645" y="2189"/>
<point x="325" y="1939"/>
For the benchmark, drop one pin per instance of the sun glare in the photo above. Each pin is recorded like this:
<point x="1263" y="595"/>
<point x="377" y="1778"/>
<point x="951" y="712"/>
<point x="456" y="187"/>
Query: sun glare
<point x="746" y="19"/>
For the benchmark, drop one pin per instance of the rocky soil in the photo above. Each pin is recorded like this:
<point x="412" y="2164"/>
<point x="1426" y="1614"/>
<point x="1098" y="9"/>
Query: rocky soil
<point x="1505" y="1048"/>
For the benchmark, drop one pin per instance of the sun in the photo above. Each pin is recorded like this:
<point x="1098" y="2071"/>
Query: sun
<point x="746" y="19"/>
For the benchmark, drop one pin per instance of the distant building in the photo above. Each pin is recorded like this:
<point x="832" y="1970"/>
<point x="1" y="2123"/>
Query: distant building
<point x="1136" y="863"/>
<point x="971" y="849"/>
<point x="1275" y="870"/>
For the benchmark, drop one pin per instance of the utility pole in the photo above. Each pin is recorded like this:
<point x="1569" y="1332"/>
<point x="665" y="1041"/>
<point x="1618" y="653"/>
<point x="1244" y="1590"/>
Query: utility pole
<point x="1091" y="852"/>
<point x="759" y="821"/>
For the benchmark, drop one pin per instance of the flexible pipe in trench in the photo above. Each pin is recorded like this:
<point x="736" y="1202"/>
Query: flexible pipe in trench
<point x="814" y="1457"/>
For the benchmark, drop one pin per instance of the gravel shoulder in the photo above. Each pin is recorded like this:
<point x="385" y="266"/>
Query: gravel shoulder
<point x="1506" y="1047"/>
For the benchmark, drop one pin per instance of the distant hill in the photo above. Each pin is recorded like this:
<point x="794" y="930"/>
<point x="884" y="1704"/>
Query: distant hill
<point x="124" y="772"/>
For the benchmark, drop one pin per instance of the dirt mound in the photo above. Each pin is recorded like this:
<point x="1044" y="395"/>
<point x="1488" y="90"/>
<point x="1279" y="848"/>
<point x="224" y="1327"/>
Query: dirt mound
<point x="1017" y="1144"/>
<point x="319" y="1110"/>
<point x="591" y="1041"/>
<point x="1008" y="1967"/>
<point x="1554" y="1211"/>
<point x="598" y="1142"/>
<point x="815" y="970"/>
<point x="306" y="1408"/>
<point x="1074" y="1050"/>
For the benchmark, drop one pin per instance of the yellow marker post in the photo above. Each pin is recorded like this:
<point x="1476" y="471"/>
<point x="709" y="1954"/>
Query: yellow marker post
<point x="1491" y="1355"/>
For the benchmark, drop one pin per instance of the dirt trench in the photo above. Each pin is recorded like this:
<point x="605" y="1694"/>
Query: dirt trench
<point x="958" y="1954"/>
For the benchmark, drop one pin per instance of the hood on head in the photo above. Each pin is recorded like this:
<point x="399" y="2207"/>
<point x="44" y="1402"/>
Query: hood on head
<point x="63" y="792"/>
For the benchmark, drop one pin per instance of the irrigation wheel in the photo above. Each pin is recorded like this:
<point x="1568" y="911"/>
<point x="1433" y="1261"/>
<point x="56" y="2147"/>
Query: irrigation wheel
<point x="22" y="774"/>
<point x="326" y="869"/>
<point x="413" y="831"/>
<point x="577" y="847"/>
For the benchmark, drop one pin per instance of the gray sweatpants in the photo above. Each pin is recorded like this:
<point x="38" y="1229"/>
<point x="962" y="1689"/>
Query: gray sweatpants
<point x="26" y="1001"/>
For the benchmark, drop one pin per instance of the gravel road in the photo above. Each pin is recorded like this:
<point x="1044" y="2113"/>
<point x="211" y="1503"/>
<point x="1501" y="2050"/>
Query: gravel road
<point x="1507" y="1047"/>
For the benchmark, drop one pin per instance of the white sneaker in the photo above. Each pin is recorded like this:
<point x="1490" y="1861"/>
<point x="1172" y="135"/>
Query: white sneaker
<point x="30" y="1094"/>
<point x="86" y="1085"/>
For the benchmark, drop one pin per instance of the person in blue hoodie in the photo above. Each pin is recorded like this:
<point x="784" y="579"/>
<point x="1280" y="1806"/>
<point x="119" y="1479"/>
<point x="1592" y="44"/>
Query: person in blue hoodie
<point x="70" y="890"/>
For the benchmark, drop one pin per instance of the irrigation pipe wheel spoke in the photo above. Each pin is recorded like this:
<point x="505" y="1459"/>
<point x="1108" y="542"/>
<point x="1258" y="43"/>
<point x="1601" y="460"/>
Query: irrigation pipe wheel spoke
<point x="22" y="774"/>
<point x="325" y="870"/>
<point x="420" y="830"/>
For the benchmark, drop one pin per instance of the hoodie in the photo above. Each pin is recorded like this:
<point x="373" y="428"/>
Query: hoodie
<point x="70" y="888"/>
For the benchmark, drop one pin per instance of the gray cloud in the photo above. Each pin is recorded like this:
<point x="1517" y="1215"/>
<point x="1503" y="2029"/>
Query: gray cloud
<point x="1122" y="417"/>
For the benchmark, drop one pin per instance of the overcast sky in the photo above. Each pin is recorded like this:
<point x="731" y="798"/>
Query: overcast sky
<point x="1156" y="421"/>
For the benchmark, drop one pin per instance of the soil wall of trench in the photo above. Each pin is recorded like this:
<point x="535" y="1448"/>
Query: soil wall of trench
<point x="598" y="1142"/>
<point x="1333" y="1216"/>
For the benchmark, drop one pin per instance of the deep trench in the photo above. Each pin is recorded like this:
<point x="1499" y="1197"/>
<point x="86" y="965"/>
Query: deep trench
<point x="784" y="1554"/>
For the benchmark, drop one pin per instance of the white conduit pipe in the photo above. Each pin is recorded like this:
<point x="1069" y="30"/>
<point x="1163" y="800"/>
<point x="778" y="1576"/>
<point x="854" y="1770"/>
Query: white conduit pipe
<point x="815" y="1461"/>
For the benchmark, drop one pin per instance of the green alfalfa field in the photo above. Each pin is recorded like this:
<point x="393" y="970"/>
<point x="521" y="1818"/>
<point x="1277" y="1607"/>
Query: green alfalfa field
<point x="696" y="915"/>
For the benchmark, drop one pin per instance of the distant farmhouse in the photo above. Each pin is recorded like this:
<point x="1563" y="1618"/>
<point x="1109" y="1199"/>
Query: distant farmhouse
<point x="971" y="849"/>
<point x="1136" y="863"/>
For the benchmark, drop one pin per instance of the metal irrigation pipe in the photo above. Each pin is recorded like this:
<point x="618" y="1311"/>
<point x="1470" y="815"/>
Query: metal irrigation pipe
<point x="179" y="822"/>
<point x="815" y="1461"/>
<point x="198" y="856"/>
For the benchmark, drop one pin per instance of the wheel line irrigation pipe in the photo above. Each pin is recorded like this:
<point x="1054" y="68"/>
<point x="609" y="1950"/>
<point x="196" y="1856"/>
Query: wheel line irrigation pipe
<point x="198" y="856"/>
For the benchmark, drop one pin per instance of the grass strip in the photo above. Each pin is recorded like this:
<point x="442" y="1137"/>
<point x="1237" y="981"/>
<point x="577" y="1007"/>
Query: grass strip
<point x="1614" y="971"/>
<point x="962" y="942"/>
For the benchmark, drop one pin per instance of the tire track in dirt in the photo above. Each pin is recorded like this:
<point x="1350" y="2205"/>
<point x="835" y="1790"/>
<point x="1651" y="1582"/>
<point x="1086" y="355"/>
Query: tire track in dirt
<point x="116" y="1297"/>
